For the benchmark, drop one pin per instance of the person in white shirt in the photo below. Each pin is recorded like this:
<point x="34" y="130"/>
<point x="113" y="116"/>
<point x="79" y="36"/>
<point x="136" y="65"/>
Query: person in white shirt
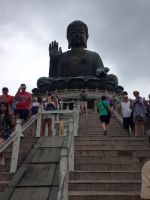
<point x="125" y="111"/>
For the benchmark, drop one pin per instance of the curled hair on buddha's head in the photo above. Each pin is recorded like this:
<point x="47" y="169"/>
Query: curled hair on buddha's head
<point x="77" y="23"/>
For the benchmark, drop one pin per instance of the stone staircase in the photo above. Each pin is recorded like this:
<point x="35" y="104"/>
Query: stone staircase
<point x="106" y="167"/>
<point x="26" y="145"/>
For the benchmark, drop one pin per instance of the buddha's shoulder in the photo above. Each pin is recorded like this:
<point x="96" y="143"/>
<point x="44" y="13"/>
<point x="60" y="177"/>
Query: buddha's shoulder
<point x="92" y="53"/>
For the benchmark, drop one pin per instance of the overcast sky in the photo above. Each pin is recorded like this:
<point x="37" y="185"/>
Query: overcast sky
<point x="119" y="30"/>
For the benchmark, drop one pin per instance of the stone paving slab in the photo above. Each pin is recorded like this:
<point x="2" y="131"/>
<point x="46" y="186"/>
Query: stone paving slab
<point x="46" y="155"/>
<point x="39" y="175"/>
<point x="34" y="193"/>
<point x="47" y="142"/>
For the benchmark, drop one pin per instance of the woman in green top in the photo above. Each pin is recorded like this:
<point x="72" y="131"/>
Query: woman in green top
<point x="105" y="113"/>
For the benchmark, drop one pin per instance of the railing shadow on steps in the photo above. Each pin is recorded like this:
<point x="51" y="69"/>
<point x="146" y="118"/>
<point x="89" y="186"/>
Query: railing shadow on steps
<point x="71" y="123"/>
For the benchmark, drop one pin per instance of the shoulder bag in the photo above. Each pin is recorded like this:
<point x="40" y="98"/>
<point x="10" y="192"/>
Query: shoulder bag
<point x="109" y="113"/>
<point x="134" y="107"/>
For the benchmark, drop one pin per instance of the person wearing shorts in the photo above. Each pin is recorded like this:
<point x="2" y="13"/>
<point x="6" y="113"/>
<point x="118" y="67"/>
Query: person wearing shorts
<point x="104" y="110"/>
<point x="23" y="104"/>
<point x="125" y="110"/>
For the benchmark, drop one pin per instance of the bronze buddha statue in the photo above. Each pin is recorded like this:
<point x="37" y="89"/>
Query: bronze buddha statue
<point x="77" y="67"/>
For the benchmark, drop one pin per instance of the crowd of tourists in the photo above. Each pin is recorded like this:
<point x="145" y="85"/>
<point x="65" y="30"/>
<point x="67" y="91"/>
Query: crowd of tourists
<point x="134" y="113"/>
<point x="24" y="106"/>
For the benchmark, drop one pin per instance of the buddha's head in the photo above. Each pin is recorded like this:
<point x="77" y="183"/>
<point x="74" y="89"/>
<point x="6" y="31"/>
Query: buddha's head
<point x="77" y="34"/>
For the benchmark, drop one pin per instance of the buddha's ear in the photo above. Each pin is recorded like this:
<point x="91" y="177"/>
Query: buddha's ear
<point x="85" y="43"/>
<point x="87" y="36"/>
<point x="69" y="47"/>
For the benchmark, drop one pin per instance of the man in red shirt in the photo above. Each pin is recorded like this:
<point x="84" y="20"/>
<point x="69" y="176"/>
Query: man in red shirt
<point x="23" y="103"/>
<point x="6" y="98"/>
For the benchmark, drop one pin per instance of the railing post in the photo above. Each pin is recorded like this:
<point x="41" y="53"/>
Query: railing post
<point x="61" y="128"/>
<point x="64" y="171"/>
<point x="71" y="150"/>
<point x="16" y="145"/>
<point x="38" y="128"/>
<point x="76" y="121"/>
<point x="53" y="125"/>
<point x="61" y="104"/>
<point x="63" y="160"/>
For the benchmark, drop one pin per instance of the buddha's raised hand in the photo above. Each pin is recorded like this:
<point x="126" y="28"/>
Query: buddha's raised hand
<point x="54" y="49"/>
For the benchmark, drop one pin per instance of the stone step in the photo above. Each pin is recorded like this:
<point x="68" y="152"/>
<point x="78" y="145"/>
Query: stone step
<point x="105" y="175"/>
<point x="95" y="121"/>
<point x="4" y="168"/>
<point x="109" y="152"/>
<point x="112" y="142"/>
<point x="5" y="176"/>
<point x="94" y="137"/>
<point x="106" y="195"/>
<point x="104" y="185"/>
<point x="26" y="145"/>
<point x="106" y="159"/>
<point x="98" y="128"/>
<point x="112" y="147"/>
<point x="88" y="132"/>
<point x="3" y="185"/>
<point x="101" y="133"/>
<point x="28" y="132"/>
<point x="108" y="166"/>
<point x="21" y="158"/>
<point x="23" y="148"/>
<point x="22" y="153"/>
<point x="27" y="141"/>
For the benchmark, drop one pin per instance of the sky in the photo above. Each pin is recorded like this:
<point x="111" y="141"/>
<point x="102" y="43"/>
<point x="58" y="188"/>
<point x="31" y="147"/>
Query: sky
<point x="119" y="31"/>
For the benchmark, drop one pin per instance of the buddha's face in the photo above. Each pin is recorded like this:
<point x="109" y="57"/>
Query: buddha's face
<point x="77" y="37"/>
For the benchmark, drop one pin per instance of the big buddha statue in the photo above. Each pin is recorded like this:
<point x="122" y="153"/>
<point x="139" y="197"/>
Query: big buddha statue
<point x="77" y="67"/>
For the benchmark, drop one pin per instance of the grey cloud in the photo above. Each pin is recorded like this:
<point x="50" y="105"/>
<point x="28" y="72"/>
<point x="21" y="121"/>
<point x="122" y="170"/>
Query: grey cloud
<point x="118" y="29"/>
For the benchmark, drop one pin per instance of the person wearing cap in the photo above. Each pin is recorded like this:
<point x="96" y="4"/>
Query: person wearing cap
<point x="139" y="116"/>
<point x="125" y="110"/>
<point x="8" y="99"/>
<point x="145" y="186"/>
